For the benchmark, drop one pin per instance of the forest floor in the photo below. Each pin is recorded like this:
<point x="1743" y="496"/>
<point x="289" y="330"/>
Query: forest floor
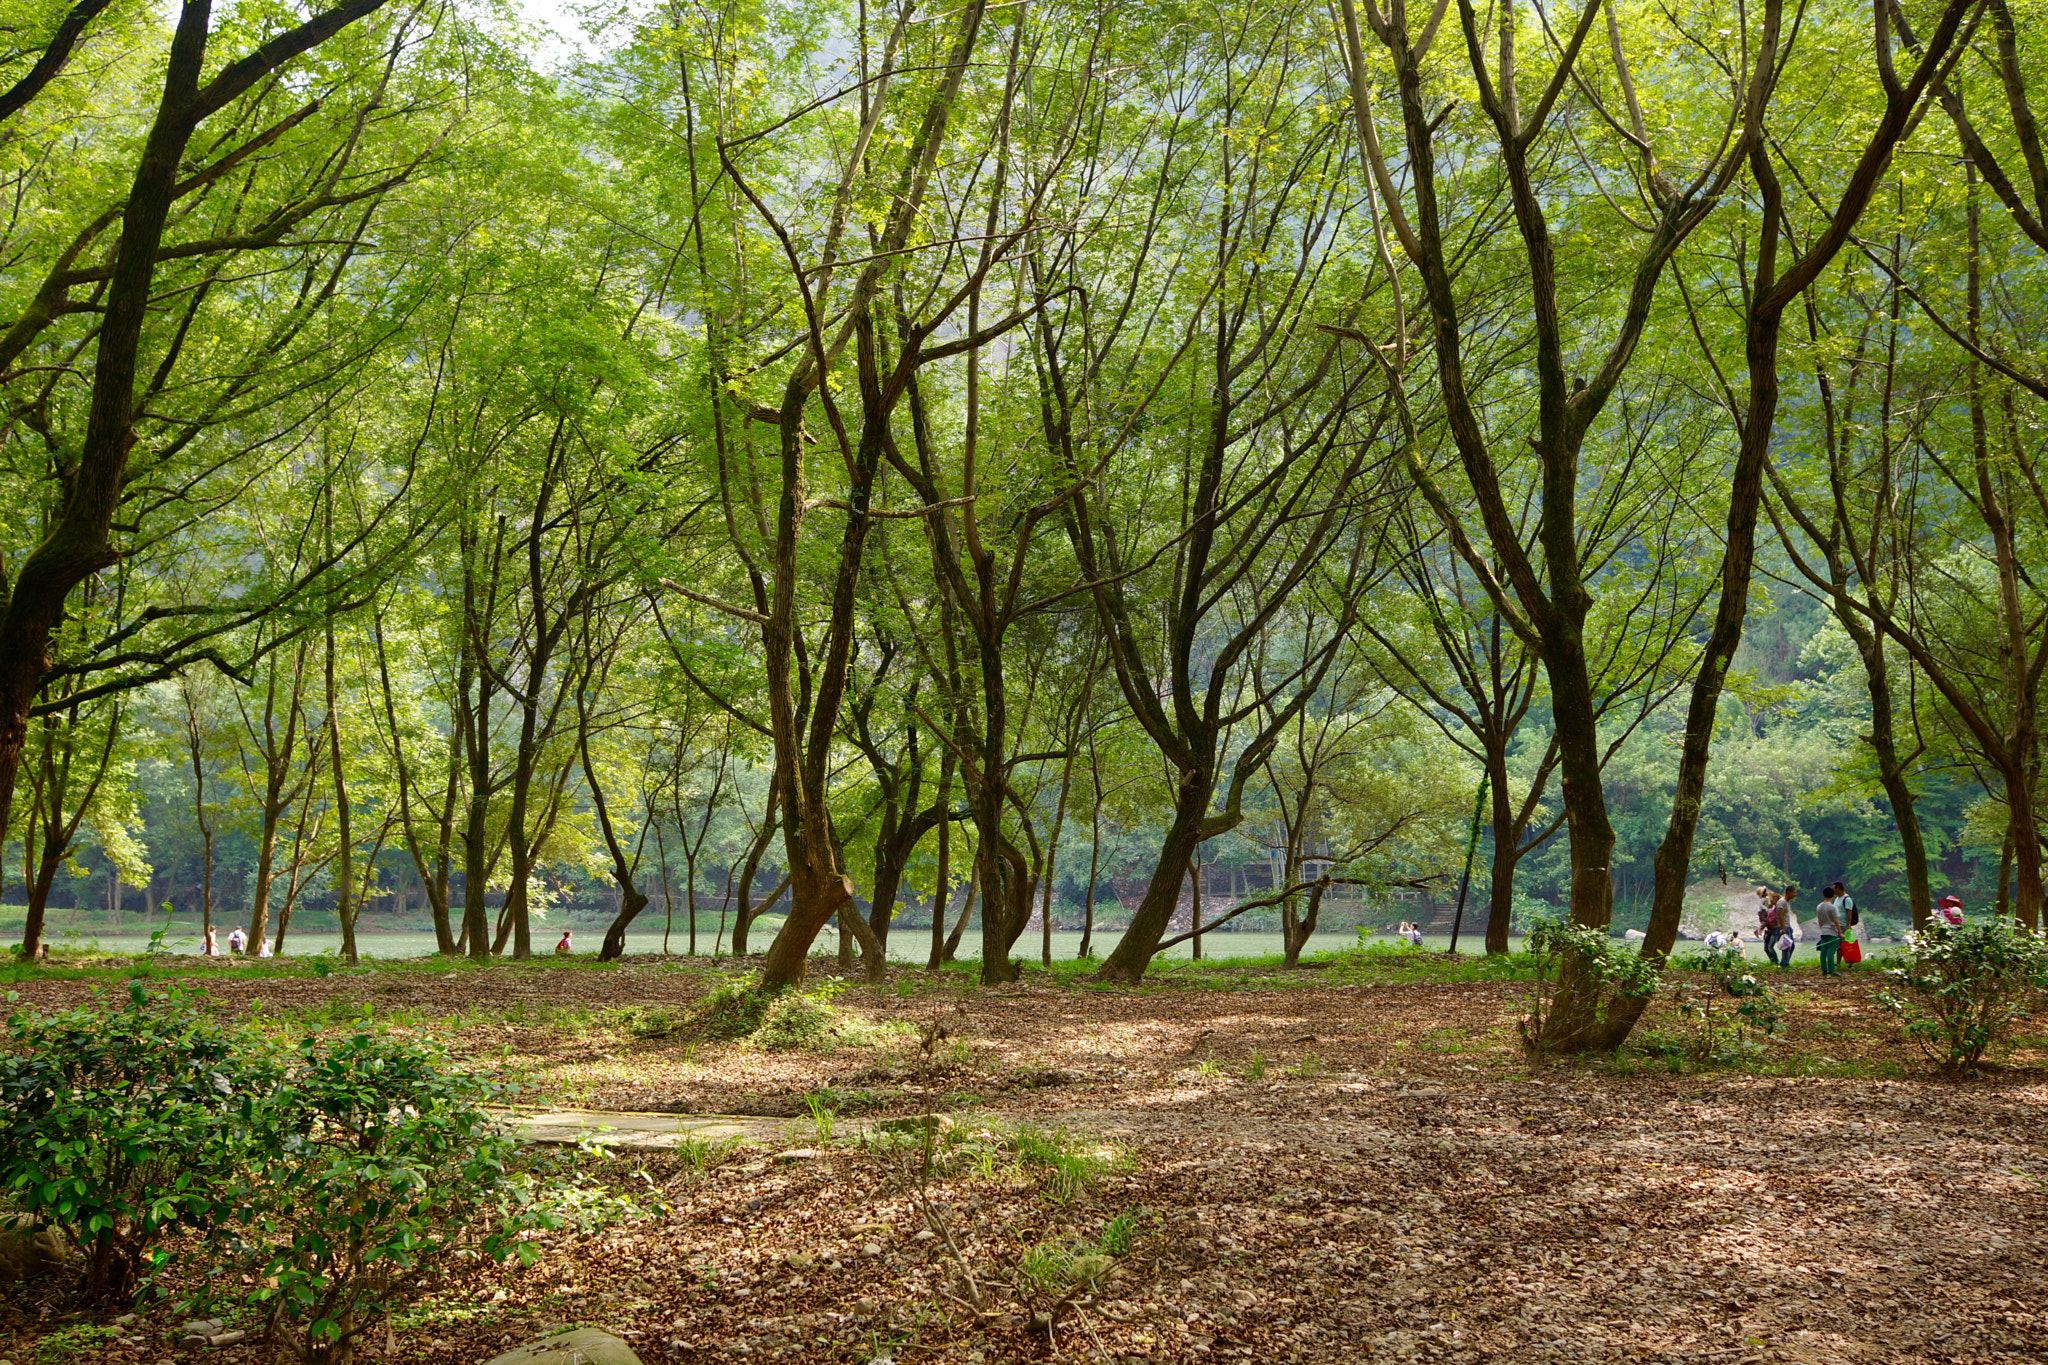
<point x="1353" y="1164"/>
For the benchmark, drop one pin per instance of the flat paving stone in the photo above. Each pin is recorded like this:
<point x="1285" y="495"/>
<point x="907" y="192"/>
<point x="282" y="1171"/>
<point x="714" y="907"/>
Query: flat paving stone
<point x="616" y="1128"/>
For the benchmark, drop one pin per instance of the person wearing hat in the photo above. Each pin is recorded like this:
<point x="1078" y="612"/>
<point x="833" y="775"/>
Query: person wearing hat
<point x="1949" y="910"/>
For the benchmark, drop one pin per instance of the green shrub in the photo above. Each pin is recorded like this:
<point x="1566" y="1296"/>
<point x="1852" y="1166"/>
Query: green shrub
<point x="732" y="1009"/>
<point x="372" y="1168"/>
<point x="1612" y="968"/>
<point x="123" y="1125"/>
<point x="1960" y="989"/>
<point x="796" y="1021"/>
<point x="1720" y="1032"/>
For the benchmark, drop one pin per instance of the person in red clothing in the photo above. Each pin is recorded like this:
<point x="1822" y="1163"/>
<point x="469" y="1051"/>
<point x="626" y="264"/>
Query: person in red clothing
<point x="563" y="949"/>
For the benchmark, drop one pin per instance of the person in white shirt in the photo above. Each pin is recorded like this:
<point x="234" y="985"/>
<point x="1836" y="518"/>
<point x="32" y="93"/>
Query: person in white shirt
<point x="212" y="949"/>
<point x="1717" y="940"/>
<point x="263" y="947"/>
<point x="237" y="940"/>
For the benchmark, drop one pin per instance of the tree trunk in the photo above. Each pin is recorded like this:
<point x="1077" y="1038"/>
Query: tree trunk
<point x="1298" y="933"/>
<point x="1891" y="770"/>
<point x="1133" y="952"/>
<point x="967" y="904"/>
<point x="743" y="913"/>
<point x="942" y="895"/>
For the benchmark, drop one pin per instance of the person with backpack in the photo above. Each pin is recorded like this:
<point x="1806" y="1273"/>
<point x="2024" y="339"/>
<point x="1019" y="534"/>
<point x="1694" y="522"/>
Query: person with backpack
<point x="1828" y="919"/>
<point x="1766" y="920"/>
<point x="1852" y="934"/>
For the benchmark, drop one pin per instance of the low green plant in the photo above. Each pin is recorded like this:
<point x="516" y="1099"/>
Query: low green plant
<point x="700" y="1154"/>
<point x="824" y="1110"/>
<point x="80" y="1342"/>
<point x="1049" y="1273"/>
<point x="1719" y="1031"/>
<point x="731" y="1009"/>
<point x="1117" y="1235"/>
<point x="797" y="1021"/>
<point x="121" y="1125"/>
<point x="1045" y="1270"/>
<point x="1960" y="990"/>
<point x="1256" y="1068"/>
<point x="1572" y="957"/>
<point x="1069" y="1165"/>
<point x="372" y="1168"/>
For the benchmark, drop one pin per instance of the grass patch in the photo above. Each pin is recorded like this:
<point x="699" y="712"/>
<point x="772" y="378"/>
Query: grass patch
<point x="1069" y="1166"/>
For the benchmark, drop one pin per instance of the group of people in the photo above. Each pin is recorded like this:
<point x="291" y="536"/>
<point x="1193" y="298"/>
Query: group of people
<point x="1836" y="918"/>
<point x="238" y="943"/>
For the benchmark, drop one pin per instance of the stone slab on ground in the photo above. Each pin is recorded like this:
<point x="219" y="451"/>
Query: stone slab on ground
<point x="582" y="1346"/>
<point x="562" y="1127"/>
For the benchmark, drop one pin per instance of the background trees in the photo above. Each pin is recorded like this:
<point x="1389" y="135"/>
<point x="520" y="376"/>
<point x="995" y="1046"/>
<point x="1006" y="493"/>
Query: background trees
<point x="808" y="460"/>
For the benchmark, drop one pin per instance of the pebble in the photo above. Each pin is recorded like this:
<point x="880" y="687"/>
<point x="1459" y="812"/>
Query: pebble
<point x="871" y="1249"/>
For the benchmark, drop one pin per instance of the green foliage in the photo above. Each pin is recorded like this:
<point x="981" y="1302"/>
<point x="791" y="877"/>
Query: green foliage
<point x="1070" y="1166"/>
<point x="1612" y="969"/>
<point x="1959" y="990"/>
<point x="732" y="1009"/>
<point x="339" y="1182"/>
<point x="371" y="1167"/>
<point x="824" y="1112"/>
<point x="1719" y="1033"/>
<point x="1117" y="1234"/>
<point x="797" y="1021"/>
<point x="81" y="1342"/>
<point x="121" y="1125"/>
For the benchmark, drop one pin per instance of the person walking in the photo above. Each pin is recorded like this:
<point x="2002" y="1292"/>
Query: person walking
<point x="1827" y="920"/>
<point x="212" y="948"/>
<point x="237" y="940"/>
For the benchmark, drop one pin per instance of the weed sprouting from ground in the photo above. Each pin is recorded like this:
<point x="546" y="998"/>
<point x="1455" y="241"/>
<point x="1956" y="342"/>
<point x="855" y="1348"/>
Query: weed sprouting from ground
<point x="1070" y="1166"/>
<point x="824" y="1111"/>
<point x="1117" y="1234"/>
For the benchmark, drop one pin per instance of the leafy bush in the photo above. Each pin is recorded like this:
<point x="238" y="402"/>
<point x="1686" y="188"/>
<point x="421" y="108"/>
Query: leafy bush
<point x="1720" y="1033"/>
<point x="795" y="1020"/>
<point x="1960" y="989"/>
<point x="732" y="1009"/>
<point x="371" y="1168"/>
<point x="123" y="1125"/>
<point x="1611" y="967"/>
<point x="341" y="1181"/>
